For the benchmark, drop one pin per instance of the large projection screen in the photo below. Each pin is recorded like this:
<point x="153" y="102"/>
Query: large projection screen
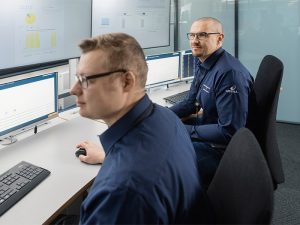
<point x="35" y="31"/>
<point x="146" y="20"/>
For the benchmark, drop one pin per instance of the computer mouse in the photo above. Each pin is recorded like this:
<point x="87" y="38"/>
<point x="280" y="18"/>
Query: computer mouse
<point x="80" y="151"/>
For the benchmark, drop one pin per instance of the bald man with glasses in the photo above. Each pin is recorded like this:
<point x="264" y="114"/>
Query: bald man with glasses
<point x="217" y="103"/>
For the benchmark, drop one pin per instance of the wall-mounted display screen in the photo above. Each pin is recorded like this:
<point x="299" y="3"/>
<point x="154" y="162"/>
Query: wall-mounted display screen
<point x="35" y="31"/>
<point x="146" y="20"/>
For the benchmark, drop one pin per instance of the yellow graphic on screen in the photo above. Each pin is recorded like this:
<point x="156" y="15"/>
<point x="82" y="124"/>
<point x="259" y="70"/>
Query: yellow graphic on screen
<point x="30" y="18"/>
<point x="33" y="39"/>
<point x="53" y="39"/>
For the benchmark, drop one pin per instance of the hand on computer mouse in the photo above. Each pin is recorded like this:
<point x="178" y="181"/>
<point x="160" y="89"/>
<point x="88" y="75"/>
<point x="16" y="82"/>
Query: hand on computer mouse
<point x="94" y="153"/>
<point x="80" y="151"/>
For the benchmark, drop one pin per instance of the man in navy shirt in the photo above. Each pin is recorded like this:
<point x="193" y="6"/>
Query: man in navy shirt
<point x="217" y="104"/>
<point x="149" y="173"/>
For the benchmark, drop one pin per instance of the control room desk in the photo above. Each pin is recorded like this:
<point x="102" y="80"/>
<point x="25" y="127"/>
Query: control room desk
<point x="54" y="150"/>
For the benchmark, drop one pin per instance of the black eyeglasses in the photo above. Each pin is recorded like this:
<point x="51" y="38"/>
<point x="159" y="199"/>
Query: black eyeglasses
<point x="83" y="80"/>
<point x="199" y="36"/>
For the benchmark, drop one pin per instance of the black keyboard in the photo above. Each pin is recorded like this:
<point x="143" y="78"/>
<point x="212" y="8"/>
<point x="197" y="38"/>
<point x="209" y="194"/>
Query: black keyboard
<point x="173" y="99"/>
<point x="17" y="182"/>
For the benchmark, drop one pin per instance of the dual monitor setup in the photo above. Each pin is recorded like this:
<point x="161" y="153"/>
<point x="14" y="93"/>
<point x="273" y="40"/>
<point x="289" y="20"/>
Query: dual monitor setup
<point x="29" y="101"/>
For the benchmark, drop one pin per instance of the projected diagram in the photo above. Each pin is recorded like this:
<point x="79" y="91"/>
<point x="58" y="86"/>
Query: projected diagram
<point x="41" y="30"/>
<point x="30" y="18"/>
<point x="33" y="38"/>
<point x="148" y="21"/>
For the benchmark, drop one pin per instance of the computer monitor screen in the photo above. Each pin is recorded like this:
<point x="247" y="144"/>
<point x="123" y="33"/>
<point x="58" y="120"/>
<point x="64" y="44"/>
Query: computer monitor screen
<point x="163" y="68"/>
<point x="188" y="63"/>
<point x="26" y="103"/>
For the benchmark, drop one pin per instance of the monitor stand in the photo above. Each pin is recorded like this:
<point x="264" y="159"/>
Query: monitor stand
<point x="8" y="140"/>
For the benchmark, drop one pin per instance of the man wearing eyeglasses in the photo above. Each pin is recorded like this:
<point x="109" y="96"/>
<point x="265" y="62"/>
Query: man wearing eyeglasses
<point x="217" y="103"/>
<point x="149" y="170"/>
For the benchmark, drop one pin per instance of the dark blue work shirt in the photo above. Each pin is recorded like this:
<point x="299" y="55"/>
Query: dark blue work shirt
<point x="221" y="87"/>
<point x="149" y="175"/>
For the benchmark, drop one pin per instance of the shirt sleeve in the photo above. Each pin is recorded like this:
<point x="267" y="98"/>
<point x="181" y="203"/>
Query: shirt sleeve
<point x="187" y="106"/>
<point x="117" y="207"/>
<point x="231" y="93"/>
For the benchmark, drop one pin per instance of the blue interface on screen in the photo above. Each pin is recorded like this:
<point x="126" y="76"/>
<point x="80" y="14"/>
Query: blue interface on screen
<point x="188" y="65"/>
<point x="26" y="103"/>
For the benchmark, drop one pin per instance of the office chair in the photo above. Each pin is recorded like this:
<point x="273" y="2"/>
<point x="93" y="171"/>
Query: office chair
<point x="262" y="113"/>
<point x="241" y="191"/>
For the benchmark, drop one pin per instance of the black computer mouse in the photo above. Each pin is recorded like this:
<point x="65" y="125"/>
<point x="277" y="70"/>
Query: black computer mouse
<point x="80" y="151"/>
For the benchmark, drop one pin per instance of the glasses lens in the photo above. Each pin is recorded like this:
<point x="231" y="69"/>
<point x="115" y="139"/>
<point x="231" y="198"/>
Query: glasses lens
<point x="82" y="81"/>
<point x="202" y="35"/>
<point x="190" y="36"/>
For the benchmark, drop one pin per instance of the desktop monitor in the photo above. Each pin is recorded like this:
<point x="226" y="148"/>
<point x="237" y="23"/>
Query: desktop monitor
<point x="25" y="103"/>
<point x="163" y="68"/>
<point x="188" y="64"/>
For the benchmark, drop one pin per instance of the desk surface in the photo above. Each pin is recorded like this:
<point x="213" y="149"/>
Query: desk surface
<point x="54" y="149"/>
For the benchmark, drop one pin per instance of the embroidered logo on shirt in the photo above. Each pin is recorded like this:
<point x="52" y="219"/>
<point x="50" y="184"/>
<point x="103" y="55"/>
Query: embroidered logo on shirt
<point x="232" y="90"/>
<point x="206" y="88"/>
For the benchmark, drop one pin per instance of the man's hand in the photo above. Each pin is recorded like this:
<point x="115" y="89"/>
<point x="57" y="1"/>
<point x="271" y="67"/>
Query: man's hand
<point x="199" y="114"/>
<point x="94" y="153"/>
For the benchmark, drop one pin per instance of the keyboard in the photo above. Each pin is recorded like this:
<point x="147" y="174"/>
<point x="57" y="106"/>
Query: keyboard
<point x="173" y="99"/>
<point x="17" y="182"/>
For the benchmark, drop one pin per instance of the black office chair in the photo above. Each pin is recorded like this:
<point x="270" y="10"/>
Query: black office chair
<point x="241" y="191"/>
<point x="263" y="110"/>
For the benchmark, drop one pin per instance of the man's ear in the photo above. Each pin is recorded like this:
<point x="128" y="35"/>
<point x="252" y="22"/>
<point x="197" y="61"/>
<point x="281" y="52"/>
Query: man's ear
<point x="221" y="38"/>
<point x="129" y="80"/>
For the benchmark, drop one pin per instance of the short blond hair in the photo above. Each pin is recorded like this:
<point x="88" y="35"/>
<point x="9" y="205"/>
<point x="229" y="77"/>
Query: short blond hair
<point x="122" y="51"/>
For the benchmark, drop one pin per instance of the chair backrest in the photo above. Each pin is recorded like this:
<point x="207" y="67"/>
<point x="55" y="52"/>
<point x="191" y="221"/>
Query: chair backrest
<point x="262" y="113"/>
<point x="241" y="191"/>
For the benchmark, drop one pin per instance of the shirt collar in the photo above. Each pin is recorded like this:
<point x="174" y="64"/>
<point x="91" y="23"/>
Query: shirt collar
<point x="211" y="60"/>
<point x="123" y="125"/>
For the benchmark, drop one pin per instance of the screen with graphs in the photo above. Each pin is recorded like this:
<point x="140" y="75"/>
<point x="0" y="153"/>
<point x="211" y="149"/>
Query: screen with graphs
<point x="146" y="20"/>
<point x="35" y="31"/>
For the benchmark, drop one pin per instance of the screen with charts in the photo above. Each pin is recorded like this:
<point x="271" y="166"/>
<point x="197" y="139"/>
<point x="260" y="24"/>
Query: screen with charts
<point x="188" y="63"/>
<point x="25" y="103"/>
<point x="35" y="31"/>
<point x="163" y="68"/>
<point x="146" y="20"/>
